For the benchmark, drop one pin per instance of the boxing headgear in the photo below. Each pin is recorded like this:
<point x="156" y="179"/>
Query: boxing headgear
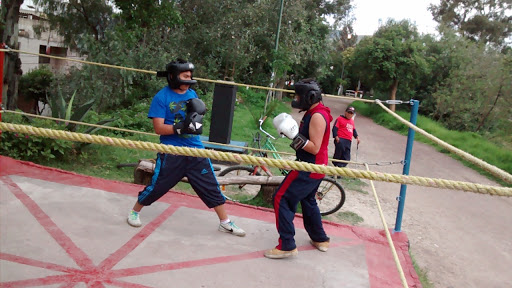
<point x="309" y="93"/>
<point x="172" y="73"/>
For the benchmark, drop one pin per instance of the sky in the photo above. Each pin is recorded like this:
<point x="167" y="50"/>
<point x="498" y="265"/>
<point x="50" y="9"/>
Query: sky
<point x="368" y="13"/>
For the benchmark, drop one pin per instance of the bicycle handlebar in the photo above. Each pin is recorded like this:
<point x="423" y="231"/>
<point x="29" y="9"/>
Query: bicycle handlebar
<point x="261" y="129"/>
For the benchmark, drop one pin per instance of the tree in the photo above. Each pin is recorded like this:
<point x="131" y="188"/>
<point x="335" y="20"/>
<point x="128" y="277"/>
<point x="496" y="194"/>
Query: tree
<point x="12" y="63"/>
<point x="476" y="94"/>
<point x="393" y="55"/>
<point x="75" y="19"/>
<point x="483" y="21"/>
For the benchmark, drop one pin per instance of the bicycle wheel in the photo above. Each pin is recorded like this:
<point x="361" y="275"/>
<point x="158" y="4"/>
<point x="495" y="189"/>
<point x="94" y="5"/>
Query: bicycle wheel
<point x="239" y="192"/>
<point x="330" y="196"/>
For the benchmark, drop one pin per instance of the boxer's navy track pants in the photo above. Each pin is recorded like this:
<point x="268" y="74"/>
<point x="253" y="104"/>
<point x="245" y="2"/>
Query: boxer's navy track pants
<point x="297" y="187"/>
<point x="170" y="169"/>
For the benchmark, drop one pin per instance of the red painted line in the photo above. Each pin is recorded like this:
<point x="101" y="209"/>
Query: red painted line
<point x="123" y="284"/>
<point x="49" y="280"/>
<point x="135" y="241"/>
<point x="80" y="258"/>
<point x="96" y="284"/>
<point x="209" y="261"/>
<point x="36" y="263"/>
<point x="68" y="285"/>
<point x="183" y="265"/>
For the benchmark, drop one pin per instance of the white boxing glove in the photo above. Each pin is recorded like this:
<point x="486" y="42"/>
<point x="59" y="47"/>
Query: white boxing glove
<point x="286" y="125"/>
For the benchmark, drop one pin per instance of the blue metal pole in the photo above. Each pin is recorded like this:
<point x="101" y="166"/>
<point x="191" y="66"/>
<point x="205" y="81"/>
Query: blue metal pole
<point x="407" y="164"/>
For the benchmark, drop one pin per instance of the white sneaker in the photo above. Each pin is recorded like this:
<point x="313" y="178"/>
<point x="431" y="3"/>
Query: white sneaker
<point x="134" y="219"/>
<point x="230" y="227"/>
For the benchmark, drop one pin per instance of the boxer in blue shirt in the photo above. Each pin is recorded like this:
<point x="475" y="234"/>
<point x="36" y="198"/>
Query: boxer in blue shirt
<point x="177" y="115"/>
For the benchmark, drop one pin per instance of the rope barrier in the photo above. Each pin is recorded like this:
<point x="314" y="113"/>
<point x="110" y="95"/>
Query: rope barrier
<point x="154" y="72"/>
<point x="480" y="163"/>
<point x="248" y="159"/>
<point x="208" y="142"/>
<point x="388" y="236"/>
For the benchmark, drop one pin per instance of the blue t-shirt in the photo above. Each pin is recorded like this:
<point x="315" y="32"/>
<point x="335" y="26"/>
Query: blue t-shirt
<point x="172" y="107"/>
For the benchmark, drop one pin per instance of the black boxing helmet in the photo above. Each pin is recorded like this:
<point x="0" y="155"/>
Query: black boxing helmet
<point x="309" y="93"/>
<point x="172" y="73"/>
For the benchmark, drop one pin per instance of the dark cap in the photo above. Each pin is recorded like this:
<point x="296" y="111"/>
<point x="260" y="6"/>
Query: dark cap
<point x="350" y="109"/>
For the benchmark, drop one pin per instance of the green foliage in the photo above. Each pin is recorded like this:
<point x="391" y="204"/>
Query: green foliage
<point x="29" y="147"/>
<point x="255" y="104"/>
<point x="135" y="118"/>
<point x="487" y="22"/>
<point x="36" y="84"/>
<point x="392" y="58"/>
<point x="77" y="19"/>
<point x="474" y="96"/>
<point x="472" y="143"/>
<point x="64" y="111"/>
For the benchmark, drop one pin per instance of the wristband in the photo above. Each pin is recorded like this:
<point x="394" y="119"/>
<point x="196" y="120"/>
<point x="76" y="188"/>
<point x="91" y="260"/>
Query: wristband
<point x="299" y="142"/>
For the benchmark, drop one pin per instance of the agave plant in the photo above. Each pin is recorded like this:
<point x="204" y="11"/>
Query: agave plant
<point x="65" y="111"/>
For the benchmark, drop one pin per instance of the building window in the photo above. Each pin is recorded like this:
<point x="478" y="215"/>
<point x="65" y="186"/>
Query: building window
<point x="42" y="50"/>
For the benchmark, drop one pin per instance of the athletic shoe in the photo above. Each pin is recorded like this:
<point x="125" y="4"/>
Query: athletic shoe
<point x="322" y="246"/>
<point x="230" y="227"/>
<point x="280" y="254"/>
<point x="133" y="219"/>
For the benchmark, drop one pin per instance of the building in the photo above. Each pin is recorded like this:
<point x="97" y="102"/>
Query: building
<point x="48" y="43"/>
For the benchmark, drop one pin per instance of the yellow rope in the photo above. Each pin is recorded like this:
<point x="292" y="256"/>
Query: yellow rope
<point x="197" y="78"/>
<point x="388" y="236"/>
<point x="480" y="163"/>
<point x="248" y="159"/>
<point x="154" y="134"/>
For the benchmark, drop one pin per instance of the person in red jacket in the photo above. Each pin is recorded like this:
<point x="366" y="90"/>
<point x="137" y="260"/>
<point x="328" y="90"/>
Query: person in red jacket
<point x="342" y="132"/>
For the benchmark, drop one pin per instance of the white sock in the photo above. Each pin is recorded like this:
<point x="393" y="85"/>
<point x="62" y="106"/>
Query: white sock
<point x="225" y="221"/>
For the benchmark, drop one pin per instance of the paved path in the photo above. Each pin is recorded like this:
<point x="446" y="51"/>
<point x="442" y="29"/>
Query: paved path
<point x="462" y="239"/>
<point x="60" y="229"/>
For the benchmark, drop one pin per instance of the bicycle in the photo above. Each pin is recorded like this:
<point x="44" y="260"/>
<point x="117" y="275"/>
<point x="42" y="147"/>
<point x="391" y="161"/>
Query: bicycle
<point x="330" y="195"/>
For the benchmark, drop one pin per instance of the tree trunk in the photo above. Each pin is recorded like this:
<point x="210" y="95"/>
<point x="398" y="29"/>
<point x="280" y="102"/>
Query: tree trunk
<point x="12" y="62"/>
<point x="482" y="121"/>
<point x="280" y="85"/>
<point x="392" y="95"/>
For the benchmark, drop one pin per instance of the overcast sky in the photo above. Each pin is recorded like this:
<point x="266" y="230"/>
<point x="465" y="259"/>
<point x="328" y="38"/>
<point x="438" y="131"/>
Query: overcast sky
<point x="368" y="13"/>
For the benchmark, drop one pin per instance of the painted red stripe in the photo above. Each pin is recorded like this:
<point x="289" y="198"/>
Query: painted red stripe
<point x="48" y="280"/>
<point x="80" y="258"/>
<point x="135" y="241"/>
<point x="123" y="284"/>
<point x="209" y="261"/>
<point x="279" y="193"/>
<point x="183" y="265"/>
<point x="36" y="263"/>
<point x="68" y="285"/>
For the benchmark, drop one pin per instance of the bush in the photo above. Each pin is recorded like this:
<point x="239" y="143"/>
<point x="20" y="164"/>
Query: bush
<point x="30" y="148"/>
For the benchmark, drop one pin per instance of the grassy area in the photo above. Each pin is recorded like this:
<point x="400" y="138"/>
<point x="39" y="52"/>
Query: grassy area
<point x="346" y="217"/>
<point x="101" y="161"/>
<point x="422" y="274"/>
<point x="472" y="143"/>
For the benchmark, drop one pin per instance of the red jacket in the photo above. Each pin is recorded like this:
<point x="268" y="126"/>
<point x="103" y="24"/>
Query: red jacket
<point x="344" y="128"/>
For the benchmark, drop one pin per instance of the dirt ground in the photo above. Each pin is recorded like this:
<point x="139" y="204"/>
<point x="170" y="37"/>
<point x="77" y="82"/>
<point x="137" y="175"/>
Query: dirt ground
<point x="461" y="239"/>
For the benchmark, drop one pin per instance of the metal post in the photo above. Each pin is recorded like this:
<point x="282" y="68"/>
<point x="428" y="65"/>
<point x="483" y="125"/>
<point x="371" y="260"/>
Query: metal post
<point x="2" y="55"/>
<point x="407" y="164"/>
<point x="279" y="24"/>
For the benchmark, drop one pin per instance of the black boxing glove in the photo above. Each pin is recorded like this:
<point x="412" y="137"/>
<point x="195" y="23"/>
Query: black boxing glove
<point x="196" y="105"/>
<point x="193" y="123"/>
